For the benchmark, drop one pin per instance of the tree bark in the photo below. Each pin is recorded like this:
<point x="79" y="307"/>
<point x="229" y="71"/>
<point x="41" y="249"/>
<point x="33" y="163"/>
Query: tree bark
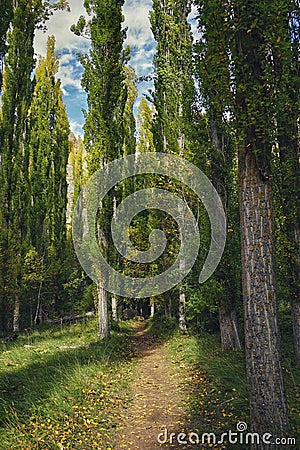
<point x="295" y="308"/>
<point x="287" y="62"/>
<point x="268" y="406"/>
<point x="289" y="201"/>
<point x="221" y="178"/>
<point x="152" y="309"/>
<point x="103" y="329"/>
<point x="3" y="316"/>
<point x="230" y="339"/>
<point x="254" y="119"/>
<point x="16" y="317"/>
<point x="38" y="313"/>
<point x="114" y="307"/>
<point x="182" y="321"/>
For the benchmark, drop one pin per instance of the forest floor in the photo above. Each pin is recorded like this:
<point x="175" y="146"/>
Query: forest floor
<point x="157" y="398"/>
<point x="63" y="389"/>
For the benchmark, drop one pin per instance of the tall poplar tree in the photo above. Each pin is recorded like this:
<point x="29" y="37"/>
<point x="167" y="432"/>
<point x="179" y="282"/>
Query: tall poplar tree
<point x="174" y="87"/>
<point x="5" y="19"/>
<point x="212" y="70"/>
<point x="254" y="110"/>
<point x="103" y="80"/>
<point x="145" y="140"/>
<point x="15" y="102"/>
<point x="286" y="57"/>
<point x="48" y="136"/>
<point x="48" y="155"/>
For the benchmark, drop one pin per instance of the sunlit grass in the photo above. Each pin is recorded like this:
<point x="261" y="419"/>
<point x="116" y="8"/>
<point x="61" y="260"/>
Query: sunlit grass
<point x="64" y="391"/>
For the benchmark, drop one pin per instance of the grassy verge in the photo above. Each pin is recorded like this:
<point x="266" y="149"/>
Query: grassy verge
<point x="215" y="387"/>
<point x="64" y="389"/>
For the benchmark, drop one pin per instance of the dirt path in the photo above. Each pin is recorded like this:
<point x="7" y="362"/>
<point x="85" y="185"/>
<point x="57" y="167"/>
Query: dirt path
<point x="156" y="398"/>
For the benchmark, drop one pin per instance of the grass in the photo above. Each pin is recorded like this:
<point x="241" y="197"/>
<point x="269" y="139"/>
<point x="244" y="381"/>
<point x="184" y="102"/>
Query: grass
<point x="161" y="327"/>
<point x="64" y="389"/>
<point x="63" y="398"/>
<point x="216" y="387"/>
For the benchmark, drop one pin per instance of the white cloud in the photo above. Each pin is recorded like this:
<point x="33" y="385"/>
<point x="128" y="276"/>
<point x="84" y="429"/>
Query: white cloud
<point x="76" y="128"/>
<point x="137" y="20"/>
<point x="59" y="26"/>
<point x="194" y="22"/>
<point x="68" y="73"/>
<point x="139" y="37"/>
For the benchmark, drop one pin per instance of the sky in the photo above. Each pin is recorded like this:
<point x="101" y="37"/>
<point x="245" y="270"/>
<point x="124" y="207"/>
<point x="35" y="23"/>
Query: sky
<point x="139" y="37"/>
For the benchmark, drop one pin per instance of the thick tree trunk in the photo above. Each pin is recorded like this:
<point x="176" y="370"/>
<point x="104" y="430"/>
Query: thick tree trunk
<point x="229" y="330"/>
<point x="103" y="329"/>
<point x="16" y="317"/>
<point x="114" y="307"/>
<point x="254" y="97"/>
<point x="268" y="406"/>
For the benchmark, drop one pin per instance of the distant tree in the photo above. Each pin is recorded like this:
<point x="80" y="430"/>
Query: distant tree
<point x="77" y="172"/>
<point x="145" y="140"/>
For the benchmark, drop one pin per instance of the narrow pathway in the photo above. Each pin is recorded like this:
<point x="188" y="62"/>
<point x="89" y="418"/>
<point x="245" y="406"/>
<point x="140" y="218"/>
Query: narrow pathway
<point x="156" y="398"/>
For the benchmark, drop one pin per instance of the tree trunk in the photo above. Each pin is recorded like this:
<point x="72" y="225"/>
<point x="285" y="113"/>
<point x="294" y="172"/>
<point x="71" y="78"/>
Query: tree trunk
<point x="225" y="274"/>
<point x="38" y="314"/>
<point x="229" y="330"/>
<point x="170" y="306"/>
<point x="103" y="330"/>
<point x="295" y="307"/>
<point x="289" y="202"/>
<point x="254" y="115"/>
<point x="16" y="318"/>
<point x="114" y="307"/>
<point x="268" y="406"/>
<point x="152" y="309"/>
<point x="3" y="318"/>
<point x="182" y="322"/>
<point x="287" y="63"/>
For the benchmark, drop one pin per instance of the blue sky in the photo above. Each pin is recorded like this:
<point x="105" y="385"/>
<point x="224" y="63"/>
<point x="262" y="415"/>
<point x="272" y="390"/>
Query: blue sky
<point x="139" y="37"/>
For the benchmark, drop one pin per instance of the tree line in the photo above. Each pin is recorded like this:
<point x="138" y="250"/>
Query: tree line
<point x="228" y="103"/>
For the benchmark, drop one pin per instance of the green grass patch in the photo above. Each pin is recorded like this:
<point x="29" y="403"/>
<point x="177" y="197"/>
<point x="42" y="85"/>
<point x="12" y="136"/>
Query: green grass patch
<point x="215" y="386"/>
<point x="162" y="327"/>
<point x="64" y="389"/>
